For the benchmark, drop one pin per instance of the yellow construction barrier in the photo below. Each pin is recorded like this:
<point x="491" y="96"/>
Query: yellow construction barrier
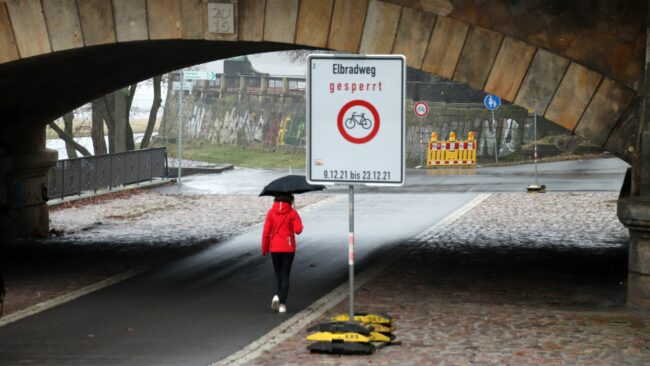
<point x="451" y="152"/>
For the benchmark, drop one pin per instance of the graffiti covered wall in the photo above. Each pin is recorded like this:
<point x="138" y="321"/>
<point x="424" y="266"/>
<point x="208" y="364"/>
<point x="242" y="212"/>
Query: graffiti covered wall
<point x="511" y="128"/>
<point x="233" y="119"/>
<point x="245" y="117"/>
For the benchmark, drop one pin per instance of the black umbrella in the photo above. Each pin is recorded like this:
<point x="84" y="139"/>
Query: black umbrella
<point x="290" y="184"/>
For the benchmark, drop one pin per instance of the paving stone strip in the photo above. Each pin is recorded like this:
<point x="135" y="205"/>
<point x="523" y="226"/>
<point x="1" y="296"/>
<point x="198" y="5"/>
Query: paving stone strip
<point x="519" y="280"/>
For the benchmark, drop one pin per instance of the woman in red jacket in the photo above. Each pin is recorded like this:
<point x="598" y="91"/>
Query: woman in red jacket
<point x="281" y="225"/>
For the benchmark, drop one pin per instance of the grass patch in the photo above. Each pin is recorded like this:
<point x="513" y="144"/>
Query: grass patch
<point x="249" y="157"/>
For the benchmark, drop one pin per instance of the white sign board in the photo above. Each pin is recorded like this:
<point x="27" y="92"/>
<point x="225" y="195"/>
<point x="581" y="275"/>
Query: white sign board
<point x="187" y="85"/>
<point x="199" y="75"/>
<point x="355" y="119"/>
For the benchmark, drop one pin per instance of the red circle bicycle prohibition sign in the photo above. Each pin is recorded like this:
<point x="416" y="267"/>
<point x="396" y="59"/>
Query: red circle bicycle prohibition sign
<point x="375" y="127"/>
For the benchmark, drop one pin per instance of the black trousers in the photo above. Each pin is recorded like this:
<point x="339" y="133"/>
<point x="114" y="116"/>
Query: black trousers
<point x="282" y="266"/>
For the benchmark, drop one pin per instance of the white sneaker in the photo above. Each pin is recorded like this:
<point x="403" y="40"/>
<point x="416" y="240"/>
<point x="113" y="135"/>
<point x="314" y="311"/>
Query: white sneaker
<point x="275" y="303"/>
<point x="283" y="308"/>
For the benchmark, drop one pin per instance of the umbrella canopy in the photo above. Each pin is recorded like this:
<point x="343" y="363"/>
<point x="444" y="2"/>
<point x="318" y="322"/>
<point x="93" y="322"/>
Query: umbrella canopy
<point x="290" y="184"/>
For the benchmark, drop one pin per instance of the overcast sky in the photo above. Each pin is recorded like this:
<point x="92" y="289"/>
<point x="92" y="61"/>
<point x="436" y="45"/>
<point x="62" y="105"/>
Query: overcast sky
<point x="273" y="63"/>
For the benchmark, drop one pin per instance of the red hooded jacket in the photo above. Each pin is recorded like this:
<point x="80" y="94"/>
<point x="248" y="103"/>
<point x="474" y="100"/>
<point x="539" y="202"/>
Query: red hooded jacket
<point x="282" y="222"/>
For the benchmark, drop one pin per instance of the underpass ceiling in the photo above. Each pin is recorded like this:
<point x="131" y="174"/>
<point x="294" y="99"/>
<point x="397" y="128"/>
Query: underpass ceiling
<point x="607" y="36"/>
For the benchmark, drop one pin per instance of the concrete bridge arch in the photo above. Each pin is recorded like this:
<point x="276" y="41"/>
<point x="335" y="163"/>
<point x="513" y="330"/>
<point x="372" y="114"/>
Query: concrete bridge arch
<point x="51" y="50"/>
<point x="584" y="73"/>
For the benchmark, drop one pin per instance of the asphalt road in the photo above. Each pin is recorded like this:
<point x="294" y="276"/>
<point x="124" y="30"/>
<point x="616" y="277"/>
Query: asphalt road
<point x="563" y="176"/>
<point x="199" y="309"/>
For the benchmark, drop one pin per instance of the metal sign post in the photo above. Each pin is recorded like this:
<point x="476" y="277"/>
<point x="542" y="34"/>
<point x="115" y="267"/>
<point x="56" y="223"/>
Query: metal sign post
<point x="180" y="127"/>
<point x="493" y="102"/>
<point x="421" y="109"/>
<point x="355" y="127"/>
<point x="351" y="249"/>
<point x="535" y="143"/>
<point x="421" y="144"/>
<point x="496" y="139"/>
<point x="535" y="187"/>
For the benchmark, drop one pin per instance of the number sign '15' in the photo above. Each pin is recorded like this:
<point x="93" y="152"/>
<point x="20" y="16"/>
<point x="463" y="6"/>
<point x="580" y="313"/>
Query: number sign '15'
<point x="355" y="119"/>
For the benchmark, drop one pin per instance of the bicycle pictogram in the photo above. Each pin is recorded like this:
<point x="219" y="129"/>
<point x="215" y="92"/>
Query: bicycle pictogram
<point x="358" y="119"/>
<point x="346" y="121"/>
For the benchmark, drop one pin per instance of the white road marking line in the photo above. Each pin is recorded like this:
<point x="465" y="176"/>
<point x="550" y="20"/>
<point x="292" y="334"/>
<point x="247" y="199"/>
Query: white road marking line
<point x="299" y="321"/>
<point x="73" y="295"/>
<point x="453" y="216"/>
<point x="45" y="305"/>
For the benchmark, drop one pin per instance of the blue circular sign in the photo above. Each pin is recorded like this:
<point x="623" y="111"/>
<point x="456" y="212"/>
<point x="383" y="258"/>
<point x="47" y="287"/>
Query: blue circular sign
<point x="492" y="102"/>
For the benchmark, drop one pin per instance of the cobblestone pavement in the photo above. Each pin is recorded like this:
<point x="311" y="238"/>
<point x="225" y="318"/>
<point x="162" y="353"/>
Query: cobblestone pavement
<point x="519" y="280"/>
<point x="101" y="237"/>
<point x="154" y="218"/>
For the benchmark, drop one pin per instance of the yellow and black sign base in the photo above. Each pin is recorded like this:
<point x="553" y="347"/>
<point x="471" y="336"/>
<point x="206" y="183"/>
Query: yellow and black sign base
<point x="341" y="327"/>
<point x="364" y="335"/>
<point x="342" y="348"/>
<point x="366" y="318"/>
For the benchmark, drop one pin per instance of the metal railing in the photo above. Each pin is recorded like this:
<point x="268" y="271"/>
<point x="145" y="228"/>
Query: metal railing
<point x="71" y="177"/>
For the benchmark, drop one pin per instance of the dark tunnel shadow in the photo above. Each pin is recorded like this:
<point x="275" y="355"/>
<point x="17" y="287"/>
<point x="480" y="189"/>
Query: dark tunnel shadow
<point x="37" y="271"/>
<point x="555" y="276"/>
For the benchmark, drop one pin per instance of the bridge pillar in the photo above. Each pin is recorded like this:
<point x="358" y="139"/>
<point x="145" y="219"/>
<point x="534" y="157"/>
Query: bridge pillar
<point x="24" y="163"/>
<point x="633" y="206"/>
<point x="634" y="213"/>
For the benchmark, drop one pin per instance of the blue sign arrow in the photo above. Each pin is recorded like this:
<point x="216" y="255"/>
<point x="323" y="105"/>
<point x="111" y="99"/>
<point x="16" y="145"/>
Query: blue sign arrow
<point x="492" y="102"/>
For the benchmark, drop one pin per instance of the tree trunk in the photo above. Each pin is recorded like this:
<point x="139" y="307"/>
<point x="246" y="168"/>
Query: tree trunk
<point x="97" y="130"/>
<point x="130" y="141"/>
<point x="120" y="115"/>
<point x="69" y="140"/>
<point x="107" y="111"/>
<point x="153" y="113"/>
<point x="165" y="116"/>
<point x="68" y="119"/>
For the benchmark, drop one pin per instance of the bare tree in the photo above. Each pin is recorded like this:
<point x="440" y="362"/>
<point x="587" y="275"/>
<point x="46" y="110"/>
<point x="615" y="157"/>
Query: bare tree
<point x="153" y="113"/>
<point x="69" y="140"/>
<point x="130" y="142"/>
<point x="97" y="129"/>
<point x="106" y="110"/>
<point x="68" y="119"/>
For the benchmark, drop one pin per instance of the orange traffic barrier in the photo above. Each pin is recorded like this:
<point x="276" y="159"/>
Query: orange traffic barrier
<point x="452" y="152"/>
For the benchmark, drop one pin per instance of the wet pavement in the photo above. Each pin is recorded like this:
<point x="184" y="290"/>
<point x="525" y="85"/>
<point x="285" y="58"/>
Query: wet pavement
<point x="509" y="283"/>
<point x="563" y="176"/>
<point x="520" y="279"/>
<point x="206" y="302"/>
